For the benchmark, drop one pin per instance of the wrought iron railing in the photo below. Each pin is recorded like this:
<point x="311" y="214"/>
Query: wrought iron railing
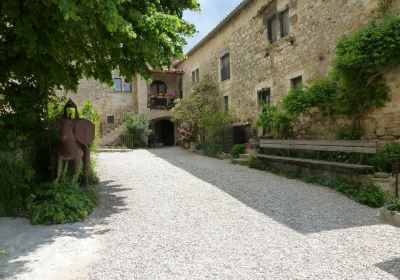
<point x="160" y="102"/>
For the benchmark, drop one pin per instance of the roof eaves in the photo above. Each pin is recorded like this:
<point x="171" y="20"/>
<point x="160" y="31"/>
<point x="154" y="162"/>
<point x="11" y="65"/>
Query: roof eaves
<point x="221" y="25"/>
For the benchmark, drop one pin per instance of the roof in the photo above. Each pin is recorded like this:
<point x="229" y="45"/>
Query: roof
<point x="218" y="28"/>
<point x="170" y="71"/>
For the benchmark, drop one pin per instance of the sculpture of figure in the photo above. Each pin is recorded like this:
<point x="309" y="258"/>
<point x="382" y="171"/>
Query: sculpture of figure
<point x="76" y="135"/>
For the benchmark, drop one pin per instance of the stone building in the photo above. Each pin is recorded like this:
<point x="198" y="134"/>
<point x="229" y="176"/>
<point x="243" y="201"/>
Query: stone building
<point x="264" y="48"/>
<point x="261" y="50"/>
<point x="154" y="98"/>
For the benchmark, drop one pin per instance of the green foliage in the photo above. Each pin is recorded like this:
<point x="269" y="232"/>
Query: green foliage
<point x="196" y="109"/>
<point x="138" y="126"/>
<point x="211" y="149"/>
<point x="394" y="205"/>
<point x="89" y="112"/>
<point x="349" y="133"/>
<point x="60" y="203"/>
<point x="237" y="150"/>
<point x="317" y="94"/>
<point x="211" y="124"/>
<point x="381" y="160"/>
<point x="361" y="61"/>
<point x="59" y="42"/>
<point x="384" y="6"/>
<point x="363" y="193"/>
<point x="15" y="184"/>
<point x="275" y="122"/>
<point x="355" y="86"/>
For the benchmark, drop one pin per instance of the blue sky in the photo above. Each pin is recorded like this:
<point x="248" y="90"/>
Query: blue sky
<point x="212" y="13"/>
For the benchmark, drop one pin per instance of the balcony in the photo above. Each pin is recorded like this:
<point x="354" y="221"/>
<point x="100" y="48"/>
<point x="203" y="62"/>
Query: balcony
<point x="161" y="102"/>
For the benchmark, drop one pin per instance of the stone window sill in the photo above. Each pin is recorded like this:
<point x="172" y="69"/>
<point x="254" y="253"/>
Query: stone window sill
<point x="279" y="43"/>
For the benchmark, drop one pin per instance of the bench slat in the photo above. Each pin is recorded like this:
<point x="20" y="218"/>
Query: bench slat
<point x="319" y="162"/>
<point x="365" y="147"/>
<point x="345" y="143"/>
<point x="364" y="150"/>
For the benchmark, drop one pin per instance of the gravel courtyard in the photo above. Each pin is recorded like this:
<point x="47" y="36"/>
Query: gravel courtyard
<point x="171" y="214"/>
<point x="185" y="216"/>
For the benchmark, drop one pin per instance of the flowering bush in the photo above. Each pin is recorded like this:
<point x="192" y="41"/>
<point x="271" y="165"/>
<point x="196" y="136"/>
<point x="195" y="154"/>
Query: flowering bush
<point x="184" y="131"/>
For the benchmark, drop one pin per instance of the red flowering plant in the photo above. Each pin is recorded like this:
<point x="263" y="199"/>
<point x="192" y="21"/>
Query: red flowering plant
<point x="185" y="133"/>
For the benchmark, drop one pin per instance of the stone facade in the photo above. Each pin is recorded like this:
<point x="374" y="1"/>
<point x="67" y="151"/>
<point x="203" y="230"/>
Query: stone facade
<point x="307" y="51"/>
<point x="137" y="100"/>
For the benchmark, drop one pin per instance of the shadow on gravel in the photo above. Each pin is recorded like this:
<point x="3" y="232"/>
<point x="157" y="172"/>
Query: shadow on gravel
<point x="20" y="239"/>
<point x="391" y="267"/>
<point x="303" y="207"/>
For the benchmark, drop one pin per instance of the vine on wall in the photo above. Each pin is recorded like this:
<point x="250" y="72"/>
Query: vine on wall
<point x="356" y="85"/>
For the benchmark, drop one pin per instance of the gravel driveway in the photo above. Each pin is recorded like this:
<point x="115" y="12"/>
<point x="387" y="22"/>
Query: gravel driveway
<point x="170" y="214"/>
<point x="185" y="216"/>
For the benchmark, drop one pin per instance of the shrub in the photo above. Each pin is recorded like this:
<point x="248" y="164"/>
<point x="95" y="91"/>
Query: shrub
<point x="275" y="122"/>
<point x="394" y="205"/>
<point x="60" y="203"/>
<point x="237" y="150"/>
<point x="350" y="133"/>
<point x="256" y="163"/>
<point x="87" y="111"/>
<point x="138" y="127"/>
<point x="381" y="160"/>
<point x="16" y="177"/>
<point x="211" y="149"/>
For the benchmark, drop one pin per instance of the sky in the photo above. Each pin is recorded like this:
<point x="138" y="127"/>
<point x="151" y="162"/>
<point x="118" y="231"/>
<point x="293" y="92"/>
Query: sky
<point x="212" y="13"/>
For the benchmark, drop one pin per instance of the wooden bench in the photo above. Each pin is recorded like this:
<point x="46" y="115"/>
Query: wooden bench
<point x="347" y="146"/>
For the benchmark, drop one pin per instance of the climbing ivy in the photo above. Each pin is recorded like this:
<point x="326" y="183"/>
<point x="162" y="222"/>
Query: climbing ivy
<point x="356" y="85"/>
<point x="360" y="64"/>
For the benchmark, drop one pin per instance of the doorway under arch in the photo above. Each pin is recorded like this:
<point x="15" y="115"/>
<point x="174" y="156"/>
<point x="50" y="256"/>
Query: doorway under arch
<point x="165" y="132"/>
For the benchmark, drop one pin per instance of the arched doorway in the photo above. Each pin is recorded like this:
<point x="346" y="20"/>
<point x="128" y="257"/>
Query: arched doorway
<point x="165" y="132"/>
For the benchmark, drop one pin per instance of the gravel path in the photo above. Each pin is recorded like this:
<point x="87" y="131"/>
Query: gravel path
<point x="170" y="214"/>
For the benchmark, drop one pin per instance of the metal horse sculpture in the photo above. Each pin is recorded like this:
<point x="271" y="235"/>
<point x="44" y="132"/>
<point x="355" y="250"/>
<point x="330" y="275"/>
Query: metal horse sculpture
<point x="76" y="135"/>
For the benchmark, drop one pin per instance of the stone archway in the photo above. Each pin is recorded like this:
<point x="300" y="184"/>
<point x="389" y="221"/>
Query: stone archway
<point x="165" y="132"/>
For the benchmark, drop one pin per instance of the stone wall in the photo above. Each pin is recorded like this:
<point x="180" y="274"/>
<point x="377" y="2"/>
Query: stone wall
<point x="104" y="98"/>
<point x="316" y="27"/>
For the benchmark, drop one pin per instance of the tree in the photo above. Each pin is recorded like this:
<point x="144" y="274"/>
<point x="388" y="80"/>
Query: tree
<point x="53" y="43"/>
<point x="204" y="100"/>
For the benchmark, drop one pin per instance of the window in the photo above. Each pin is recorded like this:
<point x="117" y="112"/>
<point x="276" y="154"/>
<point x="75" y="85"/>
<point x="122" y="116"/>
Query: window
<point x="225" y="67"/>
<point x="226" y="103"/>
<point x="272" y="29"/>
<point x="285" y="23"/>
<point x="195" y="76"/>
<point x="127" y="86"/>
<point x="158" y="88"/>
<point x="264" y="96"/>
<point x="296" y="82"/>
<point x="117" y="85"/>
<point x="110" y="119"/>
<point x="278" y="25"/>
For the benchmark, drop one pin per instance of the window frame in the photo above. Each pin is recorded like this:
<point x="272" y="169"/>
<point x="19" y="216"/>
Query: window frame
<point x="120" y="84"/>
<point x="158" y="83"/>
<point x="271" y="28"/>
<point x="109" y="117"/>
<point x="260" y="98"/>
<point x="284" y="32"/>
<point x="226" y="103"/>
<point x="225" y="62"/>
<point x="294" y="82"/>
<point x="126" y="82"/>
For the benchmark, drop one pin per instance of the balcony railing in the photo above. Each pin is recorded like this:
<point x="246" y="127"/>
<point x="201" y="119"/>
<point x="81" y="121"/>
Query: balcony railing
<point x="160" y="102"/>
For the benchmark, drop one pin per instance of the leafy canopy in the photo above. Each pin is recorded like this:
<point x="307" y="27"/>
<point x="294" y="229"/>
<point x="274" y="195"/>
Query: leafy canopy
<point x="61" y="41"/>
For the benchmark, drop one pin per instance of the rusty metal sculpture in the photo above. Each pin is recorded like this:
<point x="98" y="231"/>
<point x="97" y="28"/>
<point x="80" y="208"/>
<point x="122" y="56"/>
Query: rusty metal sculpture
<point x="76" y="135"/>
